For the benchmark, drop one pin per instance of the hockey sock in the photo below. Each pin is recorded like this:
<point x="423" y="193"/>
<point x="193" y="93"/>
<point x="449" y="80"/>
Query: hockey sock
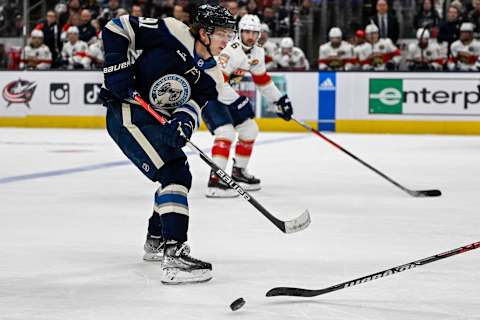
<point x="243" y="151"/>
<point x="172" y="206"/>
<point x="221" y="152"/>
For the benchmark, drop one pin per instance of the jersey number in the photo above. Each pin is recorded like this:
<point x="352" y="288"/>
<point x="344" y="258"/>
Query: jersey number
<point x="151" y="23"/>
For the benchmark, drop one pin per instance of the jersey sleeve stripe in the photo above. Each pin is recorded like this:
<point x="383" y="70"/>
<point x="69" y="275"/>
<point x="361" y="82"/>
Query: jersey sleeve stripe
<point x="125" y="20"/>
<point x="112" y="26"/>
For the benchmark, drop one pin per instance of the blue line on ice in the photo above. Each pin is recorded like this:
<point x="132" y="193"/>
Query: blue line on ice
<point x="106" y="165"/>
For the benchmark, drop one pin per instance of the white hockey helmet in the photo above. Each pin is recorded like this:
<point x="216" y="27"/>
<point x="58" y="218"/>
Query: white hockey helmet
<point x="423" y="34"/>
<point x="249" y="22"/>
<point x="36" y="34"/>
<point x="73" y="29"/>
<point x="467" y="27"/>
<point x="286" y="43"/>
<point x="335" y="33"/>
<point x="371" y="28"/>
<point x="264" y="28"/>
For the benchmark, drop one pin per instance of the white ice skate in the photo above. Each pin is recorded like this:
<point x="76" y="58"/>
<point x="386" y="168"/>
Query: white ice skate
<point x="180" y="268"/>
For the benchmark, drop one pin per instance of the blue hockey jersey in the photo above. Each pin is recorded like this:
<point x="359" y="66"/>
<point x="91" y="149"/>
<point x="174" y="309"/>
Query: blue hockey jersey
<point x="168" y="73"/>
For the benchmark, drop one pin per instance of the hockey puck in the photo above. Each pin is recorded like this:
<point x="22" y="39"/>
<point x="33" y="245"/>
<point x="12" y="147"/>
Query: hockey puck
<point x="237" y="304"/>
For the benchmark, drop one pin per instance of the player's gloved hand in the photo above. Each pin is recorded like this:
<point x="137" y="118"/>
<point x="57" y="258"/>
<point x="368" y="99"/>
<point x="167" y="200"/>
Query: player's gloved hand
<point x="284" y="108"/>
<point x="178" y="130"/>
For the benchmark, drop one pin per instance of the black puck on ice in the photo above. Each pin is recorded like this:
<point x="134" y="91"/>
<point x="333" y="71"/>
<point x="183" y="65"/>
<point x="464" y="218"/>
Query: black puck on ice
<point x="237" y="304"/>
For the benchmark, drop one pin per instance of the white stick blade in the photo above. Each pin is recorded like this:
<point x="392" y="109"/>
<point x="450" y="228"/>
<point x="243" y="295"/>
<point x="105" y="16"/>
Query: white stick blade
<point x="299" y="223"/>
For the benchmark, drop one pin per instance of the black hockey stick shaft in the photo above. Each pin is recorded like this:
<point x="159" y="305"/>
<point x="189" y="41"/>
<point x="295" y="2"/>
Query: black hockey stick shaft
<point x="297" y="224"/>
<point x="298" y="292"/>
<point x="413" y="193"/>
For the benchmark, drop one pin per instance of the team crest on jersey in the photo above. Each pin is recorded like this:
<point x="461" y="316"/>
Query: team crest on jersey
<point x="254" y="62"/>
<point x="170" y="91"/>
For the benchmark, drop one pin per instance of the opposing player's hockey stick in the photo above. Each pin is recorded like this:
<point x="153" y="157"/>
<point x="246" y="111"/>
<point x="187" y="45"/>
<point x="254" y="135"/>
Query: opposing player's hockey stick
<point x="290" y="226"/>
<point x="297" y="292"/>
<point x="413" y="193"/>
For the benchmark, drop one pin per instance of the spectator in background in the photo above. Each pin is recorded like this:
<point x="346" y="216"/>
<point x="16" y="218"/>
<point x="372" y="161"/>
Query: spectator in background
<point x="36" y="55"/>
<point x="449" y="30"/>
<point x="252" y="7"/>
<point x="386" y="22"/>
<point x="178" y="12"/>
<point x="87" y="30"/>
<point x="3" y="57"/>
<point x="335" y="54"/>
<point x="424" y="54"/>
<point x="136" y="11"/>
<point x="93" y="6"/>
<point x="465" y="52"/>
<point x="232" y="6"/>
<point x="282" y="18"/>
<point x="427" y="16"/>
<point x="242" y="11"/>
<point x="74" y="52"/>
<point x="290" y="58"/>
<point x="269" y="46"/>
<point x="380" y="54"/>
<point x="51" y="34"/>
<point x="269" y="19"/>
<point x="361" y="50"/>
<point x="73" y="8"/>
<point x="73" y="21"/>
<point x="474" y="17"/>
<point x="95" y="53"/>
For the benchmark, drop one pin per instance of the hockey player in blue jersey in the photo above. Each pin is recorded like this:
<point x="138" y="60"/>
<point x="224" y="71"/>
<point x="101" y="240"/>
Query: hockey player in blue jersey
<point x="177" y="74"/>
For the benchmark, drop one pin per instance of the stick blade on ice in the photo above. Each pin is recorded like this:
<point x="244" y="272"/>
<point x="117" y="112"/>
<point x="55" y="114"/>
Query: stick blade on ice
<point x="298" y="224"/>
<point x="425" y="193"/>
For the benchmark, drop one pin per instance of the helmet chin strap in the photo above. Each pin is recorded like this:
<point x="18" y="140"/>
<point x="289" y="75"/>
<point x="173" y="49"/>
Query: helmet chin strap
<point x="205" y="45"/>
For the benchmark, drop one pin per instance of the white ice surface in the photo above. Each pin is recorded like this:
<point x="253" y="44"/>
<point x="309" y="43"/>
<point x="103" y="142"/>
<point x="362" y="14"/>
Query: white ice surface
<point x="71" y="244"/>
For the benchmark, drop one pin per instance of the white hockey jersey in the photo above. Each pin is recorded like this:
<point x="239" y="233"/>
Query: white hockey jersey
<point x="95" y="54"/>
<point x="375" y="56"/>
<point x="235" y="63"/>
<point x="295" y="60"/>
<point x="430" y="55"/>
<point x="464" y="57"/>
<point x="270" y="47"/>
<point x="76" y="54"/>
<point x="36" y="58"/>
<point x="331" y="58"/>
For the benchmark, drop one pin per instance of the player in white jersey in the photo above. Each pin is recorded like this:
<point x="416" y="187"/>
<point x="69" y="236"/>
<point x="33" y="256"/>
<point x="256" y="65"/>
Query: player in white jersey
<point x="424" y="54"/>
<point x="95" y="53"/>
<point x="335" y="54"/>
<point x="288" y="57"/>
<point x="465" y="52"/>
<point x="269" y="46"/>
<point x="379" y="54"/>
<point x="233" y="114"/>
<point x="36" y="55"/>
<point x="74" y="52"/>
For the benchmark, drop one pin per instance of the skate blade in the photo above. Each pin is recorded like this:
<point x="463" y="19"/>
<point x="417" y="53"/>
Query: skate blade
<point x="176" y="277"/>
<point x="250" y="187"/>
<point x="221" y="193"/>
<point x="155" y="257"/>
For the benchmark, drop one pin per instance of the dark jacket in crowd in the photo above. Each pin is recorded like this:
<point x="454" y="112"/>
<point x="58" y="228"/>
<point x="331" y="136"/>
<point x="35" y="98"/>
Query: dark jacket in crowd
<point x="449" y="32"/>
<point x="430" y="18"/>
<point x="393" y="29"/>
<point x="87" y="32"/>
<point x="51" y="37"/>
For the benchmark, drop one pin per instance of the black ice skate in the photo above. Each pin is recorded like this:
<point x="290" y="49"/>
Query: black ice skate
<point x="245" y="180"/>
<point x="179" y="267"/>
<point x="219" y="189"/>
<point x="153" y="248"/>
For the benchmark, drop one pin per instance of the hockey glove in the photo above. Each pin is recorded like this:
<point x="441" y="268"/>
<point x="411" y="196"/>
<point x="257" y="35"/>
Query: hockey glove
<point x="284" y="108"/>
<point x="178" y="130"/>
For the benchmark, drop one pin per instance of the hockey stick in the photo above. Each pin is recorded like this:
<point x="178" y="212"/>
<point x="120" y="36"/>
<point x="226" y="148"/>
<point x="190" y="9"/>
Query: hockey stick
<point x="298" y="292"/>
<point x="290" y="226"/>
<point x="413" y="193"/>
